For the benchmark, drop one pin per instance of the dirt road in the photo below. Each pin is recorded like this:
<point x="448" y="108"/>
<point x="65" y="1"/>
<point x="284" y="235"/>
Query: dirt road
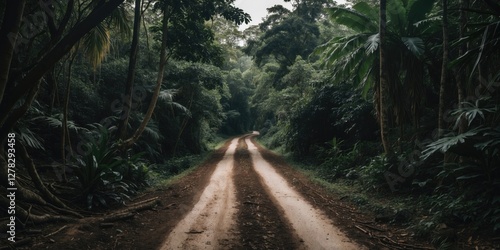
<point x="241" y="197"/>
<point x="248" y="204"/>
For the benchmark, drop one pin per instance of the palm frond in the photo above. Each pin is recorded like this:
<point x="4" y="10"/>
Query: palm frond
<point x="372" y="43"/>
<point x="167" y="95"/>
<point x="97" y="44"/>
<point x="181" y="107"/>
<point x="55" y="121"/>
<point x="427" y="20"/>
<point x="120" y="20"/>
<point x="351" y="18"/>
<point x="30" y="139"/>
<point x="153" y="131"/>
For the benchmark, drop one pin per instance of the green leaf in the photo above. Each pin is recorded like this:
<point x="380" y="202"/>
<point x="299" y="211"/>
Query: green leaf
<point x="468" y="177"/>
<point x="414" y="44"/>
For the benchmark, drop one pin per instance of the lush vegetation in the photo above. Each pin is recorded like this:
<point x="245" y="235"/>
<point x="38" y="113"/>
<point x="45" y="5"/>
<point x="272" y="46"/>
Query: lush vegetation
<point x="104" y="97"/>
<point x="398" y="97"/>
<point x="404" y="103"/>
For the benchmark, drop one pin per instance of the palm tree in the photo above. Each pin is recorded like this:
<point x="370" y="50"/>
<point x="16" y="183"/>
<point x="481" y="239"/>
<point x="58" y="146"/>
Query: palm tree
<point x="444" y="69"/>
<point x="383" y="88"/>
<point x="96" y="45"/>
<point x="353" y="57"/>
<point x="131" y="69"/>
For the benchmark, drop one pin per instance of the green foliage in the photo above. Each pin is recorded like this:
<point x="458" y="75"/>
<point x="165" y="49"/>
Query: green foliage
<point x="177" y="165"/>
<point x="102" y="174"/>
<point x="347" y="116"/>
<point x="284" y="42"/>
<point x="372" y="174"/>
<point x="188" y="37"/>
<point x="96" y="170"/>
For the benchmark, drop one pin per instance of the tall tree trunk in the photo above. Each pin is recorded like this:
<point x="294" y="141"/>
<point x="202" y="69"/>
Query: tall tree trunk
<point x="161" y="69"/>
<point x="442" y="88"/>
<point x="462" y="74"/>
<point x="64" y="126"/>
<point x="384" y="87"/>
<point x="183" y="124"/>
<point x="51" y="81"/>
<point x="8" y="36"/>
<point x="129" y="85"/>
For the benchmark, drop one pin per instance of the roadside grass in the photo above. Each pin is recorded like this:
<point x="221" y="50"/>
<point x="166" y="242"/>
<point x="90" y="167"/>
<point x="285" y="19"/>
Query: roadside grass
<point x="170" y="171"/>
<point x="366" y="200"/>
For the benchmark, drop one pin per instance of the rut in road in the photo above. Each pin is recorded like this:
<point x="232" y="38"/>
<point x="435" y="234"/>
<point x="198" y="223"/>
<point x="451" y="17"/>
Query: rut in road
<point x="261" y="224"/>
<point x="247" y="204"/>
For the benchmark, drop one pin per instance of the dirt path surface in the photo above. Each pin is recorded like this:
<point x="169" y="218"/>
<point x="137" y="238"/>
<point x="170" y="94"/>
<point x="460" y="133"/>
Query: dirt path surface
<point x="209" y="224"/>
<point x="273" y="215"/>
<point x="261" y="224"/>
<point x="311" y="224"/>
<point x="241" y="197"/>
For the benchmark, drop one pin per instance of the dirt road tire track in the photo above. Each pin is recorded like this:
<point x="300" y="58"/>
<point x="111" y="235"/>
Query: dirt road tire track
<point x="210" y="223"/>
<point x="311" y="224"/>
<point x="260" y="221"/>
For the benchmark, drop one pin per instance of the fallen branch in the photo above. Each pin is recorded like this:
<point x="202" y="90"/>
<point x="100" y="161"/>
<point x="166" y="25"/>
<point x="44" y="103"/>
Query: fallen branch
<point x="117" y="217"/>
<point x="55" y="232"/>
<point x="129" y="212"/>
<point x="361" y="229"/>
<point x="375" y="228"/>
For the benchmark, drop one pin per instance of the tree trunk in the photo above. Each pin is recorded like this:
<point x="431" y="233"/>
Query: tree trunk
<point x="462" y="74"/>
<point x="384" y="87"/>
<point x="64" y="125"/>
<point x="127" y="106"/>
<point x="51" y="80"/>
<point x="443" y="82"/>
<point x="183" y="125"/>
<point x="161" y="68"/>
<point x="8" y="37"/>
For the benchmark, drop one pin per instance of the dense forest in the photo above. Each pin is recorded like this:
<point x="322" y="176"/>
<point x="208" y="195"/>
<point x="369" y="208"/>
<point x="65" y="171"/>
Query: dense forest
<point x="398" y="98"/>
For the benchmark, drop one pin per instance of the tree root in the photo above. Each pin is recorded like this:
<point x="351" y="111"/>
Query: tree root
<point x="55" y="232"/>
<point x="129" y="212"/>
<point x="383" y="240"/>
<point x="26" y="215"/>
<point x="30" y="167"/>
